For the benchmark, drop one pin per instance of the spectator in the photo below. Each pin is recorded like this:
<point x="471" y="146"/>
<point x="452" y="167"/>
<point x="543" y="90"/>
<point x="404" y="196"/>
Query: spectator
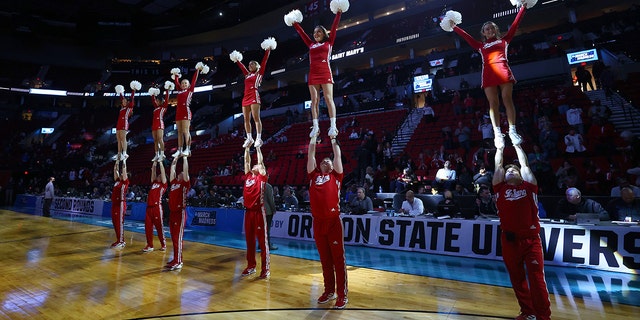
<point x="428" y="114"/>
<point x="584" y="78"/>
<point x="487" y="130"/>
<point x="463" y="134"/>
<point x="482" y="178"/>
<point x="574" y="118"/>
<point x="549" y="140"/>
<point x="469" y="103"/>
<point x="621" y="184"/>
<point x="354" y="135"/>
<point x="361" y="203"/>
<point x="289" y="199"/>
<point x="485" y="205"/>
<point x="574" y="143"/>
<point x="445" y="177"/>
<point x="626" y="207"/>
<point x="574" y="203"/>
<point x="460" y="190"/>
<point x="456" y="102"/>
<point x="412" y="206"/>
<point x="448" y="206"/>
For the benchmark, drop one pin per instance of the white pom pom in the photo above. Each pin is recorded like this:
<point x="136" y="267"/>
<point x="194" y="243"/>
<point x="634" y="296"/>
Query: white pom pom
<point x="199" y="65"/>
<point x="205" y="69"/>
<point x="450" y="16"/>
<point x="119" y="89"/>
<point x="339" y="5"/>
<point x="135" y="85"/>
<point x="527" y="3"/>
<point x="269" y="44"/>
<point x="293" y="16"/>
<point x="235" y="56"/>
<point x="169" y="85"/>
<point x="175" y="71"/>
<point x="154" y="91"/>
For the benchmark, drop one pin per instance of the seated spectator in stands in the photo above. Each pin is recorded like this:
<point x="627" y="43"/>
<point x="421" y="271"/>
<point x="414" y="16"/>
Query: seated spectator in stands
<point x="446" y="177"/>
<point x="354" y="135"/>
<point x="448" y="206"/>
<point x="574" y="144"/>
<point x="485" y="205"/>
<point x="460" y="190"/>
<point x="598" y="110"/>
<point x="573" y="203"/>
<point x="447" y="138"/>
<point x="463" y="134"/>
<point x="574" y="118"/>
<point x="428" y="114"/>
<point x="361" y="203"/>
<point x="289" y="200"/>
<point x="623" y="183"/>
<point x="456" y="103"/>
<point x="469" y="103"/>
<point x="438" y="158"/>
<point x="412" y="206"/>
<point x="484" y="178"/>
<point x="404" y="180"/>
<point x="592" y="177"/>
<point x="626" y="207"/>
<point x="487" y="130"/>
<point x="548" y="140"/>
<point x="369" y="176"/>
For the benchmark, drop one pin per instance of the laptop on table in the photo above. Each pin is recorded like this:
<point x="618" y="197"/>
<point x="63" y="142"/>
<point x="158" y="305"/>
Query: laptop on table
<point x="587" y="219"/>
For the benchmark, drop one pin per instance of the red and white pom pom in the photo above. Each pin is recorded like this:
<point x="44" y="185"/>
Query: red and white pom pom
<point x="235" y="56"/>
<point x="135" y="85"/>
<point x="154" y="91"/>
<point x="169" y="85"/>
<point x="450" y="16"/>
<point x="339" y="5"/>
<point x="527" y="3"/>
<point x="293" y="16"/>
<point x="119" y="89"/>
<point x="269" y="44"/>
<point x="205" y="69"/>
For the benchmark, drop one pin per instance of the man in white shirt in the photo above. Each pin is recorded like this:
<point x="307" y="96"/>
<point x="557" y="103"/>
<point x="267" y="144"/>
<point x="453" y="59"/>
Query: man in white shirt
<point x="574" y="118"/>
<point x="48" y="197"/>
<point x="412" y="205"/>
<point x="446" y="177"/>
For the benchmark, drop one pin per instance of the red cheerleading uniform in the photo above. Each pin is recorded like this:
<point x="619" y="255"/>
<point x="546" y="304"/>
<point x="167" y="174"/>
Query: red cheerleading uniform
<point x="158" y="112"/>
<point x="521" y="245"/>
<point x="183" y="111"/>
<point x="324" y="197"/>
<point x="125" y="113"/>
<point x="495" y="66"/>
<point x="252" y="81"/>
<point x="119" y="207"/>
<point x="255" y="220"/>
<point x="177" y="215"/>
<point x="154" y="214"/>
<point x="320" y="54"/>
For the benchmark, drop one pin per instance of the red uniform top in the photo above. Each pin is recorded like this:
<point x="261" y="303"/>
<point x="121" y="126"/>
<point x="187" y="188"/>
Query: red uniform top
<point x="253" y="191"/>
<point x="183" y="112"/>
<point x="320" y="54"/>
<point x="252" y="81"/>
<point x="158" y="112"/>
<point x="324" y="193"/>
<point x="125" y="113"/>
<point x="155" y="194"/>
<point x="119" y="192"/>
<point x="495" y="66"/>
<point x="178" y="195"/>
<point x="518" y="208"/>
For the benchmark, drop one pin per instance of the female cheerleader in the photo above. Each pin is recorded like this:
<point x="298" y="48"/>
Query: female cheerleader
<point x="183" y="110"/>
<point x="157" y="126"/>
<point x="122" y="126"/>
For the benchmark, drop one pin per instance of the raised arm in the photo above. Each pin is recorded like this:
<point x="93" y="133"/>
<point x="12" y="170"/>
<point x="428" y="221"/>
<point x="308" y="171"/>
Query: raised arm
<point x="498" y="173"/>
<point x="334" y="28"/>
<point x="263" y="64"/>
<point x="242" y="67"/>
<point x="163" y="176"/>
<point x="311" y="159"/>
<point x="475" y="44"/>
<point x="337" y="156"/>
<point x="166" y="99"/>
<point x="302" y="34"/>
<point x="263" y="170"/>
<point x="194" y="79"/>
<point x="525" y="170"/>
<point x="247" y="160"/>
<point x="116" y="172"/>
<point x="185" y="169"/>
<point x="153" y="172"/>
<point x="124" y="174"/>
<point x="172" y="172"/>
<point x="514" y="26"/>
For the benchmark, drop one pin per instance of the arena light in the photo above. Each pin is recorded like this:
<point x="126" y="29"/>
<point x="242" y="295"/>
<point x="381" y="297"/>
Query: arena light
<point x="219" y="86"/>
<point x="274" y="72"/>
<point x="203" y="88"/>
<point x="48" y="92"/>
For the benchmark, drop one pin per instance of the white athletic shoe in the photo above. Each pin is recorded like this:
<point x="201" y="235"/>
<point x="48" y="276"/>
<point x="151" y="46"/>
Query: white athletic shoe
<point x="186" y="152"/>
<point x="315" y="131"/>
<point x="247" y="142"/>
<point x="333" y="132"/>
<point x="162" y="156"/>
<point x="155" y="158"/>
<point x="258" y="143"/>
<point x="516" y="139"/>
<point x="116" y="157"/>
<point x="176" y="154"/>
<point x="124" y="156"/>
<point x="499" y="141"/>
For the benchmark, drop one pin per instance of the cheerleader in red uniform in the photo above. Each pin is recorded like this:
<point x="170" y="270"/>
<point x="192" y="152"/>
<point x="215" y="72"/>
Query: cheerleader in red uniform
<point x="154" y="213"/>
<point x="180" y="185"/>
<point x="183" y="110"/>
<point x="122" y="126"/>
<point x="320" y="75"/>
<point x="251" y="101"/>
<point x="119" y="202"/>
<point x="496" y="74"/>
<point x="157" y="126"/>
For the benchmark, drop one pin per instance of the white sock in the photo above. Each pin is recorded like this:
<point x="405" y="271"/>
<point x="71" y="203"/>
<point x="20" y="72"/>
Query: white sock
<point x="333" y="122"/>
<point x="497" y="130"/>
<point x="512" y="128"/>
<point x="315" y="123"/>
<point x="258" y="136"/>
<point x="248" y="136"/>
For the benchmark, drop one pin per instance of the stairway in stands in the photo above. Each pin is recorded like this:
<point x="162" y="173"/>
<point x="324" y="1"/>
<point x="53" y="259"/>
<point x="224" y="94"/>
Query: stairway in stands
<point x="405" y="131"/>
<point x="624" y="116"/>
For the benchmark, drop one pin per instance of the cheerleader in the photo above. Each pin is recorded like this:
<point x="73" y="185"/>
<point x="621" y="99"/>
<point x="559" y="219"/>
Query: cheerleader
<point x="122" y="126"/>
<point x="183" y="110"/>
<point x="320" y="76"/>
<point x="157" y="126"/>
<point x="251" y="101"/>
<point x="497" y="77"/>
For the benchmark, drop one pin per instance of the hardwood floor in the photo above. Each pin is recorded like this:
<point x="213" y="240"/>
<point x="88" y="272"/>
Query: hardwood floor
<point x="55" y="269"/>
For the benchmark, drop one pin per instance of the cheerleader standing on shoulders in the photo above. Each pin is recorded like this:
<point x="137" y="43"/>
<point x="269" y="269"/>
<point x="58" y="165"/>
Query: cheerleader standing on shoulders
<point x="183" y="110"/>
<point x="157" y="126"/>
<point x="252" y="80"/>
<point x="496" y="74"/>
<point x="320" y="76"/>
<point x="122" y="126"/>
